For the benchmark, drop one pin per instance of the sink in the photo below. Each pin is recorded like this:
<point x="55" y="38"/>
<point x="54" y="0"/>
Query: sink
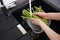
<point x="46" y="7"/>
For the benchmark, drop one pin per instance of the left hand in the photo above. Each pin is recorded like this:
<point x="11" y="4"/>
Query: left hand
<point x="36" y="21"/>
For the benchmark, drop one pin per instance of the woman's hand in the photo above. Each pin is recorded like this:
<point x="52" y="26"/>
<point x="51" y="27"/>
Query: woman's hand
<point x="37" y="22"/>
<point x="43" y="15"/>
<point x="51" y="16"/>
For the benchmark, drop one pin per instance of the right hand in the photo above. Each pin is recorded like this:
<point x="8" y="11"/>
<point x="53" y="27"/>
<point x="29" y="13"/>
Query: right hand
<point x="51" y="16"/>
<point x="43" y="15"/>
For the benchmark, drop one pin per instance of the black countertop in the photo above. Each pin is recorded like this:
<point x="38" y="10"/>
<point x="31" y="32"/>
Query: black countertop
<point x="54" y="3"/>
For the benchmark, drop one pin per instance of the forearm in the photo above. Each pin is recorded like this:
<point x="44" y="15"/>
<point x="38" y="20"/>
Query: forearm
<point x="50" y="33"/>
<point x="53" y="16"/>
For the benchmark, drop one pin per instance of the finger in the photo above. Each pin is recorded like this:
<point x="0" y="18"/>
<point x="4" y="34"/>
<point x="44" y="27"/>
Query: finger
<point x="43" y="15"/>
<point x="32" y="19"/>
<point x="36" y="13"/>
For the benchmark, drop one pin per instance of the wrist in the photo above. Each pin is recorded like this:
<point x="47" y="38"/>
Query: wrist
<point x="47" y="16"/>
<point x="42" y="24"/>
